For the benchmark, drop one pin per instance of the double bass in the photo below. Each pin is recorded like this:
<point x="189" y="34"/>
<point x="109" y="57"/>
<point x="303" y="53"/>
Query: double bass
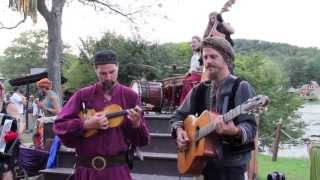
<point x="217" y="28"/>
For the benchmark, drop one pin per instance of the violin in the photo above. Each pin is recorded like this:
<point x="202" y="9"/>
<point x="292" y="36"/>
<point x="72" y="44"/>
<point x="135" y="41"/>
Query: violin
<point x="113" y="112"/>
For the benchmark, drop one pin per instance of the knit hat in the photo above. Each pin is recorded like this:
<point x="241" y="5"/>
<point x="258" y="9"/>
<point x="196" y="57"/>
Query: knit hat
<point x="105" y="57"/>
<point x="44" y="83"/>
<point x="222" y="46"/>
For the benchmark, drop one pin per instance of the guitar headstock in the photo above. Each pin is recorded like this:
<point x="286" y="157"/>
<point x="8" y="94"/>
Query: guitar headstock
<point x="255" y="105"/>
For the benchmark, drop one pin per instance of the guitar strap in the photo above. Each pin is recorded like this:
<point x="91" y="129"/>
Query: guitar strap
<point x="85" y="97"/>
<point x="228" y="100"/>
<point x="228" y="103"/>
<point x="225" y="104"/>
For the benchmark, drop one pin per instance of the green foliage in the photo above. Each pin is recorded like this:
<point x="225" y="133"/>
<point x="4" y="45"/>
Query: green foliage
<point x="78" y="75"/>
<point x="294" y="169"/>
<point x="301" y="64"/>
<point x="184" y="52"/>
<point x="137" y="58"/>
<point x="312" y="68"/>
<point x="268" y="79"/>
<point x="27" y="51"/>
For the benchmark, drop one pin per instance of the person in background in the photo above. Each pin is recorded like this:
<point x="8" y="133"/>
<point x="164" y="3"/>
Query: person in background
<point x="48" y="101"/>
<point x="218" y="27"/>
<point x="7" y="163"/>
<point x="194" y="73"/>
<point x="20" y="101"/>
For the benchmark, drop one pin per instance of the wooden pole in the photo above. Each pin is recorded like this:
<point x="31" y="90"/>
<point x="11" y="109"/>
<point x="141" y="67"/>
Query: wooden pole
<point x="277" y="141"/>
<point x="315" y="162"/>
<point x="253" y="164"/>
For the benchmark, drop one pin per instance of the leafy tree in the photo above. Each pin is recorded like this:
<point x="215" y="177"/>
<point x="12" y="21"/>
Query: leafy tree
<point x="78" y="74"/>
<point x="296" y="69"/>
<point x="312" y="69"/>
<point x="299" y="63"/>
<point x="51" y="11"/>
<point x="138" y="59"/>
<point x="27" y="51"/>
<point x="269" y="79"/>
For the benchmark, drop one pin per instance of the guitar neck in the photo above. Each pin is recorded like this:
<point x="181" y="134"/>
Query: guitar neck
<point x="233" y="113"/>
<point x="204" y="131"/>
<point x="116" y="114"/>
<point x="120" y="113"/>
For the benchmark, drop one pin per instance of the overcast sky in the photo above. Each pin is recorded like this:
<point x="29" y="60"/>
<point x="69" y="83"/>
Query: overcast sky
<point x="287" y="21"/>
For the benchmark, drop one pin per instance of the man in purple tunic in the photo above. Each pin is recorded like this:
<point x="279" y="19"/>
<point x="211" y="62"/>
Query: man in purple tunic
<point x="103" y="155"/>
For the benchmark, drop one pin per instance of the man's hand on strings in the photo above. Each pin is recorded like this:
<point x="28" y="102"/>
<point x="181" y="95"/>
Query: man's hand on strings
<point x="134" y="115"/>
<point x="182" y="139"/>
<point x="223" y="128"/>
<point x="98" y="121"/>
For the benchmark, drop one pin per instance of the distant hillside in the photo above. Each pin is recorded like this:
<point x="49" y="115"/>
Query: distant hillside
<point x="301" y="64"/>
<point x="276" y="51"/>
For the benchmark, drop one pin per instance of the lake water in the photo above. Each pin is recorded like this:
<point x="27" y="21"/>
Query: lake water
<point x="310" y="114"/>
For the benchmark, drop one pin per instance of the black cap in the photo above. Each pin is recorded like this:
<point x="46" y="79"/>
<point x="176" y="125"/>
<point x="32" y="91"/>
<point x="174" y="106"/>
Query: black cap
<point x="105" y="57"/>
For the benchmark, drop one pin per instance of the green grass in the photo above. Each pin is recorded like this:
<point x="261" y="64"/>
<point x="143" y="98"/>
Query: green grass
<point x="294" y="169"/>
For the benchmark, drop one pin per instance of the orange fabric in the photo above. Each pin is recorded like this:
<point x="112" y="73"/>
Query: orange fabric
<point x="45" y="82"/>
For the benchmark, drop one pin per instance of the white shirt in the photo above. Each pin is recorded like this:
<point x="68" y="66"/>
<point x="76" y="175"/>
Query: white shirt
<point x="18" y="101"/>
<point x="36" y="111"/>
<point x="194" y="64"/>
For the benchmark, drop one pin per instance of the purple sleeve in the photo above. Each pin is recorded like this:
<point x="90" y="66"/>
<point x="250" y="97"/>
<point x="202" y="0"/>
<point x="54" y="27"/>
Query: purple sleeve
<point x="137" y="136"/>
<point x="68" y="125"/>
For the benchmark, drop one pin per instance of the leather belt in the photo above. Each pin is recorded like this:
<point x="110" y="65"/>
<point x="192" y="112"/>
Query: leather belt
<point x="101" y="162"/>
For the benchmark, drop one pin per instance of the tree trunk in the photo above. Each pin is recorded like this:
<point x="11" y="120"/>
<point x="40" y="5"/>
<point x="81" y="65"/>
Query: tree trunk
<point x="54" y="53"/>
<point x="54" y="22"/>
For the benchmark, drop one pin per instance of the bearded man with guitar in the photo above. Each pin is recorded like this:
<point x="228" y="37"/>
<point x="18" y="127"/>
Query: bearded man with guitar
<point x="85" y="123"/>
<point x="226" y="150"/>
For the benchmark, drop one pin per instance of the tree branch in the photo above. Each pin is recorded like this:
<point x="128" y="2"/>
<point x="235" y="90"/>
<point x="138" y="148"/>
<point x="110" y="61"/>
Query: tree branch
<point x="114" y="9"/>
<point x="138" y="10"/>
<point x="42" y="8"/>
<point x="15" y="26"/>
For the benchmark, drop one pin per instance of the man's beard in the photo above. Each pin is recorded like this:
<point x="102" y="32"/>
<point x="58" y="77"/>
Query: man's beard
<point x="107" y="85"/>
<point x="196" y="49"/>
<point x="212" y="72"/>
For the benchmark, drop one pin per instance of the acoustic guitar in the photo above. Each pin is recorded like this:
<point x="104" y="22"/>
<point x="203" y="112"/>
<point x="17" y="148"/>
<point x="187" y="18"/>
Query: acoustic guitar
<point x="113" y="112"/>
<point x="200" y="131"/>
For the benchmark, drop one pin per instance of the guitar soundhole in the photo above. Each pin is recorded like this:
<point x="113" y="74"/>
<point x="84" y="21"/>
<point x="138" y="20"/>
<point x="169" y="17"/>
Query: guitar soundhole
<point x="197" y="135"/>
